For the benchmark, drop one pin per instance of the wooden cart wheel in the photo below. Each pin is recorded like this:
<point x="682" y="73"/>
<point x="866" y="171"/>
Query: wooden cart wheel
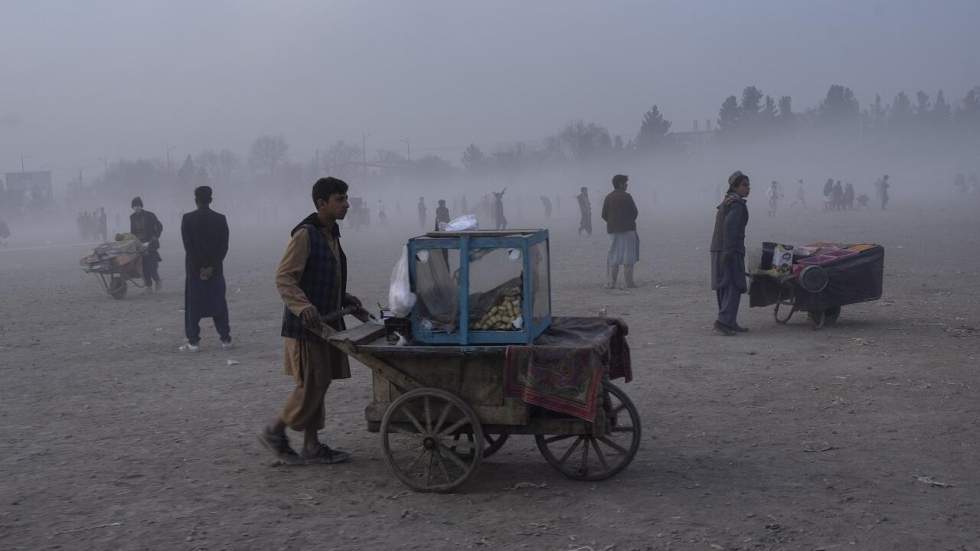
<point x="493" y="442"/>
<point x="117" y="288"/>
<point x="417" y="433"/>
<point x="589" y="457"/>
<point x="826" y="317"/>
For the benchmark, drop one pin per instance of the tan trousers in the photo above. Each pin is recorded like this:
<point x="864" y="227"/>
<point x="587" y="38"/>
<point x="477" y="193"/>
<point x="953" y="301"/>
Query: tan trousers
<point x="313" y="365"/>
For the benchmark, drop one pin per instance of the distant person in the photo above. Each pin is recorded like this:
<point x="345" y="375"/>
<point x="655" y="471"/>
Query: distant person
<point x="312" y="281"/>
<point x="147" y="228"/>
<point x="423" y="216"/>
<point x="499" y="220"/>
<point x="382" y="217"/>
<point x="442" y="214"/>
<point x="4" y="232"/>
<point x="774" y="196"/>
<point x="883" y="193"/>
<point x="103" y="225"/>
<point x="849" y="196"/>
<point x="728" y="254"/>
<point x="837" y="196"/>
<point x="546" y="203"/>
<point x="620" y="213"/>
<point x="205" y="236"/>
<point x="828" y="194"/>
<point x="800" y="195"/>
<point x="974" y="183"/>
<point x="585" y="211"/>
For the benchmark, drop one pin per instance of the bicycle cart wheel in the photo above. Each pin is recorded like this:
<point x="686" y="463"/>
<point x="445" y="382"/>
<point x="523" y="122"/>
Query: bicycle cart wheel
<point x="417" y="437"/>
<point x="588" y="457"/>
<point x="786" y="298"/>
<point x="117" y="288"/>
<point x="826" y="317"/>
<point x="493" y="442"/>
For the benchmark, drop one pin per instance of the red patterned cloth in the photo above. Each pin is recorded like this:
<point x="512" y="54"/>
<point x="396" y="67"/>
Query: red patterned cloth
<point x="563" y="369"/>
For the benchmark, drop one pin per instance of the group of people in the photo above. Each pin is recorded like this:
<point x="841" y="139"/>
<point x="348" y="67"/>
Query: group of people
<point x="93" y="225"/>
<point x="838" y="197"/>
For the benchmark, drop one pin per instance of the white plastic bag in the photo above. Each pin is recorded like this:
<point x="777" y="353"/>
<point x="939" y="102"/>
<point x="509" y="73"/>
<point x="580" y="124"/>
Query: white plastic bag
<point x="401" y="299"/>
<point x="466" y="222"/>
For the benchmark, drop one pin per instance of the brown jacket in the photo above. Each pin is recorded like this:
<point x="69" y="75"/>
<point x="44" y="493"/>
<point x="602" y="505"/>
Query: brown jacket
<point x="619" y="212"/>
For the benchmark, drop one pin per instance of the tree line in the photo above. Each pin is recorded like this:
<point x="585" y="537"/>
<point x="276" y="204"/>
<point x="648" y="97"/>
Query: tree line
<point x="753" y="116"/>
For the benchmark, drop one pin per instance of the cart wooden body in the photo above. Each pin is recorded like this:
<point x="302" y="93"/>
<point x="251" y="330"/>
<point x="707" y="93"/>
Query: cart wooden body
<point x="448" y="402"/>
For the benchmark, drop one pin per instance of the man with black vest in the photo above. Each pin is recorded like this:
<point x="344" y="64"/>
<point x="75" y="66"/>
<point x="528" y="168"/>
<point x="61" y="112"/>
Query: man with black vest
<point x="312" y="281"/>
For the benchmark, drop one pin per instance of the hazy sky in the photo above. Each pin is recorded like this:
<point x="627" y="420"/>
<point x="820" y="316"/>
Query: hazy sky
<point x="84" y="80"/>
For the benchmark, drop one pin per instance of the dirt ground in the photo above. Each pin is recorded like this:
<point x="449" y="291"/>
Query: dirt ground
<point x="859" y="436"/>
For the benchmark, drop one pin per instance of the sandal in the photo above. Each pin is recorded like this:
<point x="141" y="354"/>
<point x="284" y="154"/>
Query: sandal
<point x="324" y="456"/>
<point x="278" y="445"/>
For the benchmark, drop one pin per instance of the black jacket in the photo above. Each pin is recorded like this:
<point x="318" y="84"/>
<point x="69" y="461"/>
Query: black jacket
<point x="205" y="236"/>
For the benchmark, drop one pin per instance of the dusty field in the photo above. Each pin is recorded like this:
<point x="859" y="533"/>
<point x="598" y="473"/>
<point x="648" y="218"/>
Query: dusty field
<point x="785" y="438"/>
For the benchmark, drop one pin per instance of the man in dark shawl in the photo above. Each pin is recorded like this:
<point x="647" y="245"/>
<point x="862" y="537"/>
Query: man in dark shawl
<point x="499" y="220"/>
<point x="422" y="212"/>
<point x="312" y="281"/>
<point x="205" y="236"/>
<point x="728" y="254"/>
<point x="147" y="228"/>
<point x="585" y="209"/>
<point x="442" y="214"/>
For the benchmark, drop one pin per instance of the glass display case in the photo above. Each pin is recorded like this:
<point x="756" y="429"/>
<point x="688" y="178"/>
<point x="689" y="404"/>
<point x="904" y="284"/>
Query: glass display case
<point x="480" y="287"/>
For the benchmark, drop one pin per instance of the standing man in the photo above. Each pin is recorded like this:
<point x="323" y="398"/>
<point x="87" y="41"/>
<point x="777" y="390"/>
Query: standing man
<point x="774" y="196"/>
<point x="147" y="228"/>
<point x="103" y="225"/>
<point x="442" y="214"/>
<point x="619" y="211"/>
<point x="585" y="209"/>
<point x="800" y="195"/>
<point x="4" y="232"/>
<point x="500" y="221"/>
<point x="884" y="191"/>
<point x="728" y="254"/>
<point x="422" y="212"/>
<point x="205" y="236"/>
<point x="312" y="281"/>
<point x="546" y="203"/>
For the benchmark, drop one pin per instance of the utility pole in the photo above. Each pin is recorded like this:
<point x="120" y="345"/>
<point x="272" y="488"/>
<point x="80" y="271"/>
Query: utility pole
<point x="22" y="163"/>
<point x="364" y="158"/>
<point x="408" y="148"/>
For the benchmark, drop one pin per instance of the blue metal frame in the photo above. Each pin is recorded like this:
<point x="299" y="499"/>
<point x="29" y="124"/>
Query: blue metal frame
<point x="465" y="243"/>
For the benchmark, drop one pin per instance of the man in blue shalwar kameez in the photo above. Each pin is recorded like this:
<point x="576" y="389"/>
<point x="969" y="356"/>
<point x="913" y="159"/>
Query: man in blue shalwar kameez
<point x="728" y="254"/>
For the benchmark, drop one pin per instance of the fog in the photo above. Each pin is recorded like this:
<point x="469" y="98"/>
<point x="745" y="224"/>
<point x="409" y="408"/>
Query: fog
<point x="92" y="89"/>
